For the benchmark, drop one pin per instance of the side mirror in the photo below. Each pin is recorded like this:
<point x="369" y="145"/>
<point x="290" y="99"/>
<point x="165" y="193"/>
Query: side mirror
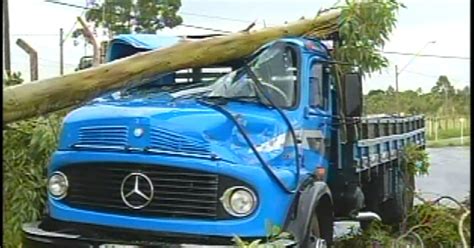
<point x="352" y="94"/>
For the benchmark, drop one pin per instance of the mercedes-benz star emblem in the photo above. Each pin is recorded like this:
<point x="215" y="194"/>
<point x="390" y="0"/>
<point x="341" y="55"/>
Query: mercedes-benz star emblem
<point x="136" y="190"/>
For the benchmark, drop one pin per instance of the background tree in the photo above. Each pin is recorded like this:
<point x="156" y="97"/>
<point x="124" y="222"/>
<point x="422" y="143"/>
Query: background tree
<point x="133" y="16"/>
<point x="444" y="91"/>
<point x="442" y="100"/>
<point x="371" y="20"/>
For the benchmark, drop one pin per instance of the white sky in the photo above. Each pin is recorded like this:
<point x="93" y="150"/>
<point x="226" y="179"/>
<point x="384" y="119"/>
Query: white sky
<point x="446" y="22"/>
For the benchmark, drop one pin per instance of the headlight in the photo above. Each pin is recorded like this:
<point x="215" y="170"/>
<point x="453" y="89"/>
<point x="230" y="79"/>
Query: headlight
<point x="58" y="185"/>
<point x="239" y="201"/>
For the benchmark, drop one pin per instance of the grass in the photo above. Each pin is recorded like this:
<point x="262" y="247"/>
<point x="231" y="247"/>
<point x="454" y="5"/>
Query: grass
<point x="449" y="137"/>
<point x="449" y="142"/>
<point x="449" y="133"/>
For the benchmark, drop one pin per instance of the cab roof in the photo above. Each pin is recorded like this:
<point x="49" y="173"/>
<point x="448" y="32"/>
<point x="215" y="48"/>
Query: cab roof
<point x="128" y="44"/>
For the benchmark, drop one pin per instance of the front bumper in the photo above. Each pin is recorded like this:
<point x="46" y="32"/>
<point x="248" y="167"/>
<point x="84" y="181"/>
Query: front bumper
<point x="52" y="233"/>
<point x="273" y="202"/>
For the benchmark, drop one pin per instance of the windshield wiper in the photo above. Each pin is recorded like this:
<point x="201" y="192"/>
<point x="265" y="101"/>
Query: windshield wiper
<point x="222" y="100"/>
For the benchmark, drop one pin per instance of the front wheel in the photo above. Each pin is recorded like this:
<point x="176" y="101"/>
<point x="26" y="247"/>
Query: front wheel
<point x="318" y="234"/>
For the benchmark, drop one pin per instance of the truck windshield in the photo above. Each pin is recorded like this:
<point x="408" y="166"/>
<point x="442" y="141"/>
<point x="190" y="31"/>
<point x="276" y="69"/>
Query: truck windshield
<point x="275" y="67"/>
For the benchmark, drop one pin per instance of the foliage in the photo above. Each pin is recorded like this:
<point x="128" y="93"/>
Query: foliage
<point x="449" y="133"/>
<point x="442" y="100"/>
<point x="364" y="28"/>
<point x="27" y="146"/>
<point x="437" y="225"/>
<point x="449" y="142"/>
<point x="276" y="238"/>
<point x="128" y="16"/>
<point x="13" y="79"/>
<point x="429" y="225"/>
<point x="417" y="160"/>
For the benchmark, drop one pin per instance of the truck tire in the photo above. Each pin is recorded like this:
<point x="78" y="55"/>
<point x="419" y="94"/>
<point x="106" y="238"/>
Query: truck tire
<point x="318" y="235"/>
<point x="394" y="210"/>
<point x="373" y="191"/>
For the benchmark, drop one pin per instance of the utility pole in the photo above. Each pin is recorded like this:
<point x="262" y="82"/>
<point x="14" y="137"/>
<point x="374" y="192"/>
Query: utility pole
<point x="33" y="58"/>
<point x="61" y="52"/>
<point x="397" y="73"/>
<point x="6" y="38"/>
<point x="91" y="39"/>
<point x="397" y="102"/>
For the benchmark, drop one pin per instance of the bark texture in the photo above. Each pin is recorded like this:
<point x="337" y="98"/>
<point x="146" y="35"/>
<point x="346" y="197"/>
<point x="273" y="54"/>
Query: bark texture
<point x="48" y="95"/>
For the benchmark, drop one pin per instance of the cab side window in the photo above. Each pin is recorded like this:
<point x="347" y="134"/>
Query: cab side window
<point x="317" y="95"/>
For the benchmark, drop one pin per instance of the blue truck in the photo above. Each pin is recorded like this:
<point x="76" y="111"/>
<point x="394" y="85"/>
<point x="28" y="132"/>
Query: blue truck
<point x="198" y="156"/>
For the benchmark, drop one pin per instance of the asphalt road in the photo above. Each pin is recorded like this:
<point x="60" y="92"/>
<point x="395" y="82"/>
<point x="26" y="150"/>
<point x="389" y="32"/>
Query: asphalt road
<point x="449" y="173"/>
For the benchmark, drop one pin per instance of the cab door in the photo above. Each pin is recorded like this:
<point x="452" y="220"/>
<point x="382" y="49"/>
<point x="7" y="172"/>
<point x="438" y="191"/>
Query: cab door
<point x="318" y="117"/>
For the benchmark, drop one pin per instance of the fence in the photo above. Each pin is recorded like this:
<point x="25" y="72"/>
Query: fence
<point x="447" y="127"/>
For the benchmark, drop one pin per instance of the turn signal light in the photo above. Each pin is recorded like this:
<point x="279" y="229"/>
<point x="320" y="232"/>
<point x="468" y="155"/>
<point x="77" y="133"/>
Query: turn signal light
<point x="320" y="173"/>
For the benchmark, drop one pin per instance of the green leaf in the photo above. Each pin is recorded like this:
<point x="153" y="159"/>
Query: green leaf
<point x="276" y="230"/>
<point x="255" y="243"/>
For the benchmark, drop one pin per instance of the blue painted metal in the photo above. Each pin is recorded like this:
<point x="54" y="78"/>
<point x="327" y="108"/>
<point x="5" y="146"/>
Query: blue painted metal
<point x="128" y="44"/>
<point x="253" y="225"/>
<point x="186" y="134"/>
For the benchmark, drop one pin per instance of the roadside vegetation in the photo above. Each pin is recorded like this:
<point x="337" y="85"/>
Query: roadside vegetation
<point x="430" y="224"/>
<point x="442" y="101"/>
<point x="27" y="147"/>
<point x="443" y="107"/>
<point x="442" y="222"/>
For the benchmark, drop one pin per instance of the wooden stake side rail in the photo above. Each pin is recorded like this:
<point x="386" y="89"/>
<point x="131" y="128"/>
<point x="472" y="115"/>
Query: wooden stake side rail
<point x="382" y="139"/>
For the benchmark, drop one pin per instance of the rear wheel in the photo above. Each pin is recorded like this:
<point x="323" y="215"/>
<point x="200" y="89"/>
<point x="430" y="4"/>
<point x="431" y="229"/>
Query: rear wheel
<point x="374" y="193"/>
<point x="395" y="210"/>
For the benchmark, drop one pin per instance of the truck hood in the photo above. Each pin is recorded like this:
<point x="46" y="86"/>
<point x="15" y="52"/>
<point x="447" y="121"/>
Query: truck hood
<point x="183" y="126"/>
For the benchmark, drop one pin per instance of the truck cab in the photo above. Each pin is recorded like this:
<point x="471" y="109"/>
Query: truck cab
<point x="202" y="155"/>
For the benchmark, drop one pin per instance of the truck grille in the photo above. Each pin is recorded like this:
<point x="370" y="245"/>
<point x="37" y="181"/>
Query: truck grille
<point x="177" y="192"/>
<point x="103" y="136"/>
<point x="169" y="141"/>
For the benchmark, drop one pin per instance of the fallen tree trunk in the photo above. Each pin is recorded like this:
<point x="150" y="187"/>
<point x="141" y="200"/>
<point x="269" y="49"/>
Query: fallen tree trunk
<point x="49" y="95"/>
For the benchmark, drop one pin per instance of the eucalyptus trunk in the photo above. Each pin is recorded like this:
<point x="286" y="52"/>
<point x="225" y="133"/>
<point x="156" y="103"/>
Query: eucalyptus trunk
<point x="48" y="95"/>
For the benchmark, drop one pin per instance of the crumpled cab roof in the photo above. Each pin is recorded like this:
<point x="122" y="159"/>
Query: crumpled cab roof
<point x="128" y="44"/>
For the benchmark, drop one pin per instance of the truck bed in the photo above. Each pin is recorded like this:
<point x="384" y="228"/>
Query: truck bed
<point x="382" y="137"/>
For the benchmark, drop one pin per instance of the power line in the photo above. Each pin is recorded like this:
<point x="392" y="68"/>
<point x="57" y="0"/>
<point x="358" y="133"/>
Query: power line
<point x="247" y="21"/>
<point x="50" y="62"/>
<point x="34" y="34"/>
<point x="215" y="17"/>
<point x="71" y="30"/>
<point x="422" y="74"/>
<point x="183" y="24"/>
<point x="68" y="4"/>
<point x="182" y="12"/>
<point x="433" y="76"/>
<point x="56" y="62"/>
<point x="204" y="28"/>
<point x="428" y="55"/>
<point x="21" y="64"/>
<point x="88" y="8"/>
